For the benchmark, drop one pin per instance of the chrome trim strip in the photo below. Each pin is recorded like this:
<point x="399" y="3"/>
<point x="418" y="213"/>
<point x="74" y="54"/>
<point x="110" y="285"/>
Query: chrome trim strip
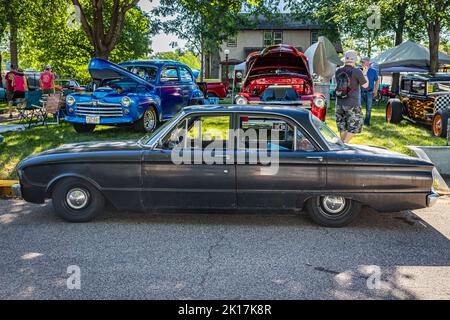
<point x="98" y="104"/>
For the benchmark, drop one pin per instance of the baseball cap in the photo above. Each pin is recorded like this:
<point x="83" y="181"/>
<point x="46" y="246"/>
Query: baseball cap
<point x="365" y="59"/>
<point x="48" y="67"/>
<point x="351" y="56"/>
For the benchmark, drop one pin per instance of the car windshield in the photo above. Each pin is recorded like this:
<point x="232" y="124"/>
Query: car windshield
<point x="332" y="140"/>
<point x="147" y="138"/>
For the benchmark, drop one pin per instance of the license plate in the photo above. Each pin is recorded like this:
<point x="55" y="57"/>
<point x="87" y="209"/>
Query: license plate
<point x="93" y="119"/>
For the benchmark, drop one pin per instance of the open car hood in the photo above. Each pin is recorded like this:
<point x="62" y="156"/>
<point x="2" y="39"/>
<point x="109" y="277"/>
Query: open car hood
<point x="101" y="69"/>
<point x="278" y="57"/>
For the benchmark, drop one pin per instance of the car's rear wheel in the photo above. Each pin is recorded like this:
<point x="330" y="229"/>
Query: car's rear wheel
<point x="83" y="128"/>
<point x="394" y="112"/>
<point x="332" y="211"/>
<point x="76" y="200"/>
<point x="148" y="122"/>
<point x="440" y="122"/>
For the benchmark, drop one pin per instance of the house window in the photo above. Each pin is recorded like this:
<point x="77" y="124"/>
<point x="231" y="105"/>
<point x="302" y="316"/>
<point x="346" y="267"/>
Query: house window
<point x="232" y="41"/>
<point x="272" y="37"/>
<point x="314" y="36"/>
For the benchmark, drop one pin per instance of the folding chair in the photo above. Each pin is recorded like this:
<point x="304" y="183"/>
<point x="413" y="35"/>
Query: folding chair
<point x="51" y="104"/>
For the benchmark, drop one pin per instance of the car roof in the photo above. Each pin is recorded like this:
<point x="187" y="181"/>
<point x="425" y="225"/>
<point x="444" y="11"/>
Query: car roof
<point x="428" y="77"/>
<point x="299" y="114"/>
<point x="153" y="62"/>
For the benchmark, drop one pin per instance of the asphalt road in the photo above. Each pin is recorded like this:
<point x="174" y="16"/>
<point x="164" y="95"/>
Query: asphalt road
<point x="229" y="256"/>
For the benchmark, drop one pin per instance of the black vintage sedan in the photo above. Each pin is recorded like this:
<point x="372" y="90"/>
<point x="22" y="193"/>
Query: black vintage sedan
<point x="309" y="168"/>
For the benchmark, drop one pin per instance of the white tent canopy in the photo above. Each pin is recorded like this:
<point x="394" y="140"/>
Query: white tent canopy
<point x="408" y="54"/>
<point x="323" y="58"/>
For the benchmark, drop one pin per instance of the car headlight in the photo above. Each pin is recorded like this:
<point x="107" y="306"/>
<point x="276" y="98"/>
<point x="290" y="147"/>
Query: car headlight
<point x="319" y="102"/>
<point x="241" y="100"/>
<point x="126" y="102"/>
<point x="70" y="101"/>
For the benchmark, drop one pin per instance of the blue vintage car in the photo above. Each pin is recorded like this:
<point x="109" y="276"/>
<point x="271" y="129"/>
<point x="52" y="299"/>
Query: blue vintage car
<point x="138" y="93"/>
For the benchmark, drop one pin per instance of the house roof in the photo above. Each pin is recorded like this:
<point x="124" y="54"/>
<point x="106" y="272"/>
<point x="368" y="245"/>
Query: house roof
<point x="283" y="21"/>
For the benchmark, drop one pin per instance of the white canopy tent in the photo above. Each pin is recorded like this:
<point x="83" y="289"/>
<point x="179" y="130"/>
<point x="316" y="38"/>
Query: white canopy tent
<point x="407" y="55"/>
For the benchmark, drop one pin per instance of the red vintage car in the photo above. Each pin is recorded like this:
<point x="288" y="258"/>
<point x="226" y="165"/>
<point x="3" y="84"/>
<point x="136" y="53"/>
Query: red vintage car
<point x="279" y="75"/>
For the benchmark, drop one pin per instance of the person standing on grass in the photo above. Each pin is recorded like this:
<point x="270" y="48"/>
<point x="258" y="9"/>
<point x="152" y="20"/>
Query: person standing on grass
<point x="20" y="87"/>
<point x="47" y="81"/>
<point x="349" y="116"/>
<point x="371" y="91"/>
<point x="9" y="77"/>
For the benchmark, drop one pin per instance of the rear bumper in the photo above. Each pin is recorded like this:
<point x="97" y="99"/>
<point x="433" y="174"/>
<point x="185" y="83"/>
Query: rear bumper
<point x="432" y="198"/>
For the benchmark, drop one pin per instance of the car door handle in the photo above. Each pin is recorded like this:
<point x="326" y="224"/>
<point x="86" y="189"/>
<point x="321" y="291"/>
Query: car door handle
<point x="320" y="159"/>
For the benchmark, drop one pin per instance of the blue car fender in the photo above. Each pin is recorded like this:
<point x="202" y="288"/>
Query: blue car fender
<point x="153" y="101"/>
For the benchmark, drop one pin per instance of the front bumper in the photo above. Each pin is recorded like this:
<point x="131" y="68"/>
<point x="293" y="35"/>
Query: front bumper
<point x="432" y="198"/>
<point x="16" y="190"/>
<point x="103" y="121"/>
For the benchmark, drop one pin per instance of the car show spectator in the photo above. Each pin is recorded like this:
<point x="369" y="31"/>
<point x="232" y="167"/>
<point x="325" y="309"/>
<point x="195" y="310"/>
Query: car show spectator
<point x="349" y="115"/>
<point x="371" y="91"/>
<point x="20" y="86"/>
<point x="47" y="81"/>
<point x="9" y="77"/>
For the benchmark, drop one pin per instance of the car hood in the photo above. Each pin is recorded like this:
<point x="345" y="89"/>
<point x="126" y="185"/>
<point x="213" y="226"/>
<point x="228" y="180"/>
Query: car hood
<point x="275" y="58"/>
<point x="101" y="69"/>
<point x="94" y="147"/>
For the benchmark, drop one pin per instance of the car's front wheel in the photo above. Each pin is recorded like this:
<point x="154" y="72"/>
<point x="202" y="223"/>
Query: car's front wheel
<point x="332" y="211"/>
<point x="84" y="128"/>
<point x="76" y="200"/>
<point x="148" y="122"/>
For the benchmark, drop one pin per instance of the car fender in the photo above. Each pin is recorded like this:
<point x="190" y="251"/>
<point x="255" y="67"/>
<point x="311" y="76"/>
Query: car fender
<point x="151" y="102"/>
<point x="196" y="94"/>
<point x="58" y="178"/>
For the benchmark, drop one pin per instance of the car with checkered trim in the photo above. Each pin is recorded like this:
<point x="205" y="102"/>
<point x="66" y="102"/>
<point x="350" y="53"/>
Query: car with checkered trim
<point x="423" y="98"/>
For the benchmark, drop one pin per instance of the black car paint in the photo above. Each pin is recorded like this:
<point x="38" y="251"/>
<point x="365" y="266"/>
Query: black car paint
<point x="141" y="177"/>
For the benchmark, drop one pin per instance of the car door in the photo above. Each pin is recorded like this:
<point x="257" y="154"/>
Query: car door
<point x="195" y="182"/>
<point x="186" y="84"/>
<point x="293" y="166"/>
<point x="170" y="91"/>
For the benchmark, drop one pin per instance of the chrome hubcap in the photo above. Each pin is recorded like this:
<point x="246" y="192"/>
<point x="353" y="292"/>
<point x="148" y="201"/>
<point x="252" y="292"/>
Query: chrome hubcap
<point x="77" y="198"/>
<point x="333" y="204"/>
<point x="149" y="120"/>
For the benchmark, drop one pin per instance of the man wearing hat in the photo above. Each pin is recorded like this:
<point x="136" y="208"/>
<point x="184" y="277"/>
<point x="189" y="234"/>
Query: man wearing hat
<point x="349" y="115"/>
<point x="368" y="93"/>
<point x="47" y="81"/>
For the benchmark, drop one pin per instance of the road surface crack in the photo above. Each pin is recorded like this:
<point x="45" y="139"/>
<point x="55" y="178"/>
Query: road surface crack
<point x="209" y="260"/>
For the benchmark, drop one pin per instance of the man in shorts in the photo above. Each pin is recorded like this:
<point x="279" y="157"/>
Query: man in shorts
<point x="9" y="77"/>
<point x="349" y="115"/>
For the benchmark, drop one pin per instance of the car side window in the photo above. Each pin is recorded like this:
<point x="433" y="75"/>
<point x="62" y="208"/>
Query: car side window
<point x="199" y="132"/>
<point x="271" y="133"/>
<point x="169" y="74"/>
<point x="406" y="85"/>
<point x="185" y="75"/>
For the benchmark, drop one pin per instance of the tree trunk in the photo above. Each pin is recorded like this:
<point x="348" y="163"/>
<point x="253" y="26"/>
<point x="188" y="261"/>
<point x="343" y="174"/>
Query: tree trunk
<point x="13" y="41"/>
<point x="202" y="60"/>
<point x="398" y="40"/>
<point x="433" y="29"/>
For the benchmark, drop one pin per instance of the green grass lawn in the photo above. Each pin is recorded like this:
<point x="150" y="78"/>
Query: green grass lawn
<point x="18" y="145"/>
<point x="395" y="137"/>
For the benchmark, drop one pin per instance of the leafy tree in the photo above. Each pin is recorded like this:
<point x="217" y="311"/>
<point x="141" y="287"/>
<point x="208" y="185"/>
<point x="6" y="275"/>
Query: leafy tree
<point x="103" y="22"/>
<point x="190" y="59"/>
<point x="204" y="24"/>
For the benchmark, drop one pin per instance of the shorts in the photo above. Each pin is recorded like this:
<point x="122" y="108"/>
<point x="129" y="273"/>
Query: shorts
<point x="19" y="95"/>
<point x="9" y="96"/>
<point x="349" y="118"/>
